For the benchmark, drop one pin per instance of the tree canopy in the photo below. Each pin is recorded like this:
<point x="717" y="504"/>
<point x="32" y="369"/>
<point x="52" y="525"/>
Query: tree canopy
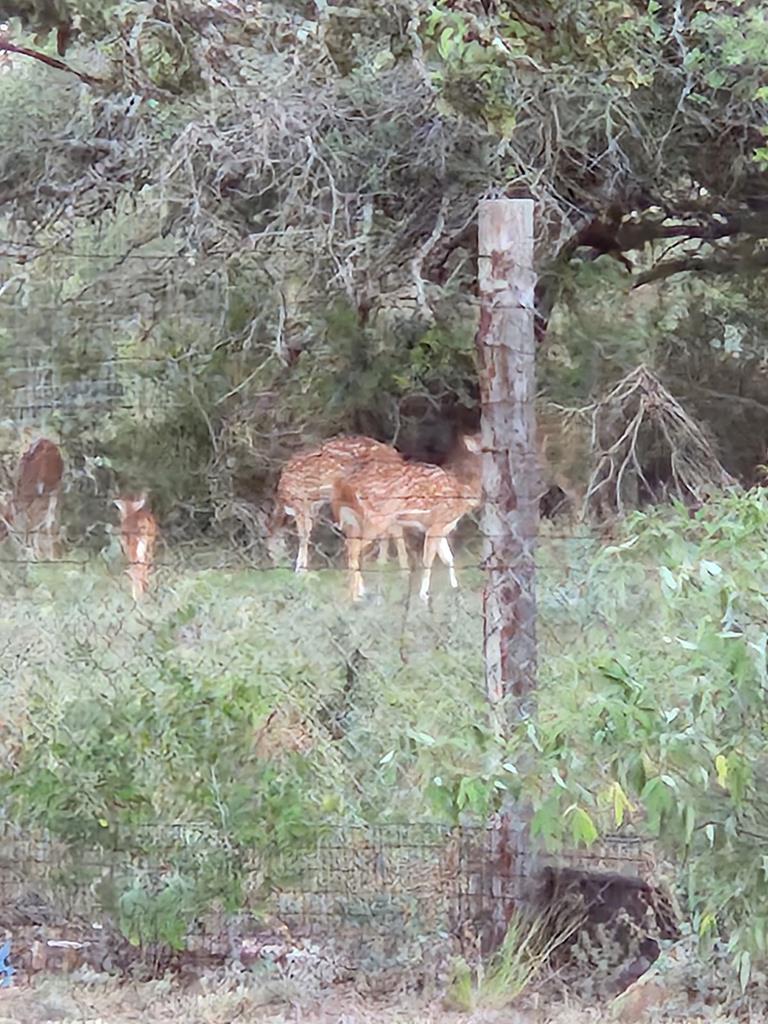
<point x="372" y="129"/>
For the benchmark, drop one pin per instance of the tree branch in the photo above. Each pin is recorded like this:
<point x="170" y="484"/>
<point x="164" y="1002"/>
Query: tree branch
<point x="718" y="264"/>
<point x="636" y="234"/>
<point x="53" y="62"/>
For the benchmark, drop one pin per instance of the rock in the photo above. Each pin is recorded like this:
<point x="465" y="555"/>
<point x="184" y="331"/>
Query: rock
<point x="646" y="994"/>
<point x="658" y="989"/>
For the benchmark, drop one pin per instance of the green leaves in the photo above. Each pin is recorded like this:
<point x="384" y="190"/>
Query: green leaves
<point x="474" y="795"/>
<point x="621" y="803"/>
<point x="675" y="725"/>
<point x="160" y="916"/>
<point x="447" y="42"/>
<point x="583" y="829"/>
<point x="548" y="821"/>
<point x="658" y="800"/>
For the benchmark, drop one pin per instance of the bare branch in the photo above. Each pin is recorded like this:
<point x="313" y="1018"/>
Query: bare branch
<point x="53" y="62"/>
<point x="417" y="263"/>
<point x="637" y="234"/>
<point x="721" y="263"/>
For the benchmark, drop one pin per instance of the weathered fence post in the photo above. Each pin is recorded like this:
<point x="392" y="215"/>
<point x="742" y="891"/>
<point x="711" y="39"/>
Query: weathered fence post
<point x="506" y="358"/>
<point x="506" y="352"/>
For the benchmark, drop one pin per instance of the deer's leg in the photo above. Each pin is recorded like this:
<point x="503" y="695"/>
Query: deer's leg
<point x="370" y="533"/>
<point x="41" y="540"/>
<point x="37" y="535"/>
<point x="396" y="539"/>
<point x="40" y="528"/>
<point x="383" y="551"/>
<point x="354" y="555"/>
<point x="430" y="550"/>
<point x="402" y="550"/>
<point x="304" y="529"/>
<point x="354" y="544"/>
<point x="446" y="557"/>
<point x="26" y="533"/>
<point x="32" y="539"/>
<point x="52" y="524"/>
<point x="144" y="569"/>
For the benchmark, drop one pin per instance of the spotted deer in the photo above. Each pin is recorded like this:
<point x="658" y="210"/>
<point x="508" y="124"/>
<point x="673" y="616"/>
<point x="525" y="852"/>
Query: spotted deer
<point x="31" y="513"/>
<point x="378" y="499"/>
<point x="307" y="480"/>
<point x="138" y="536"/>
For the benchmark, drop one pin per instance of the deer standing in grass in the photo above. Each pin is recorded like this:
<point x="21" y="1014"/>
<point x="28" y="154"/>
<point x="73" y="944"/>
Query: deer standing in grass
<point x="379" y="499"/>
<point x="138" y="536"/>
<point x="307" y="480"/>
<point x="31" y="514"/>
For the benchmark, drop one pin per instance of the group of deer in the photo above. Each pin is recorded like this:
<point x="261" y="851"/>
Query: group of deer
<point x="375" y="496"/>
<point x="374" y="493"/>
<point x="31" y="514"/>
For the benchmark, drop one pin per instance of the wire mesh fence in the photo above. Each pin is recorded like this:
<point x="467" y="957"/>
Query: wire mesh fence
<point x="371" y="897"/>
<point x="217" y="686"/>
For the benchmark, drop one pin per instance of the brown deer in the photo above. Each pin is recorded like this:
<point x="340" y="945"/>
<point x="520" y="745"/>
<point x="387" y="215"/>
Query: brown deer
<point x="307" y="480"/>
<point x="31" y="514"/>
<point x="138" y="536"/>
<point x="380" y="499"/>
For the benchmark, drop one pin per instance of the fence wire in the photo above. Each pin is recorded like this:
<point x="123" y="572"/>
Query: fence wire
<point x="236" y="691"/>
<point x="360" y="898"/>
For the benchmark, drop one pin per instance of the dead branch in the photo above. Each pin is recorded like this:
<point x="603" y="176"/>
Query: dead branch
<point x="53" y="62"/>
<point x="639" y="415"/>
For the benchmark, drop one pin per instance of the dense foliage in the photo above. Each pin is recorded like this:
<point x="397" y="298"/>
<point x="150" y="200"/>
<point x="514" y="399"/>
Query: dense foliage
<point x="263" y="712"/>
<point x="274" y="203"/>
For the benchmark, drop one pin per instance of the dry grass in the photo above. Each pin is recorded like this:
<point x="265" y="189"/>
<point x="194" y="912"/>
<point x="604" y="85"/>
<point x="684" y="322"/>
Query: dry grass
<point x="97" y="1000"/>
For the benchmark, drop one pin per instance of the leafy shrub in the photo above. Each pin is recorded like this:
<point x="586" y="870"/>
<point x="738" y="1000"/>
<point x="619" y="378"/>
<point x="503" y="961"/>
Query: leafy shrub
<point x="656" y="717"/>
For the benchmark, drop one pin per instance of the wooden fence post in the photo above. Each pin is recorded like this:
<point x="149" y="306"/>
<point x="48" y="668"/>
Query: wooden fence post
<point x="511" y="481"/>
<point x="511" y="484"/>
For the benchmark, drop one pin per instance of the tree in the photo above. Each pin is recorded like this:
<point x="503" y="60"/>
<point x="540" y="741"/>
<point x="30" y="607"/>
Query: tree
<point x="629" y="123"/>
<point x="278" y="207"/>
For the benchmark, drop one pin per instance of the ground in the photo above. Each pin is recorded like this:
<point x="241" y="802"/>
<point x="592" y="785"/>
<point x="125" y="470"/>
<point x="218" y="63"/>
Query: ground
<point x="103" y="1001"/>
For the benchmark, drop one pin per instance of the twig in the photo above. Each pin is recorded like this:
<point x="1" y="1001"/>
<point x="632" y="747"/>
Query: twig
<point x="53" y="62"/>
<point x="417" y="263"/>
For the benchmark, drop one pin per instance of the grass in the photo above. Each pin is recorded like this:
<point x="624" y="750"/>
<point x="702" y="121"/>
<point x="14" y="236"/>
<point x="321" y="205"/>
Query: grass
<point x="406" y="674"/>
<point x="224" y="1000"/>
<point x="510" y="972"/>
<point x="407" y="681"/>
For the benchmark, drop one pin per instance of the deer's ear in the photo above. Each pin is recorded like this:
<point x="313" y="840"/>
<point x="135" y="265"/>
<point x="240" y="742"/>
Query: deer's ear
<point x="474" y="444"/>
<point x="141" y="501"/>
<point x="120" y="504"/>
